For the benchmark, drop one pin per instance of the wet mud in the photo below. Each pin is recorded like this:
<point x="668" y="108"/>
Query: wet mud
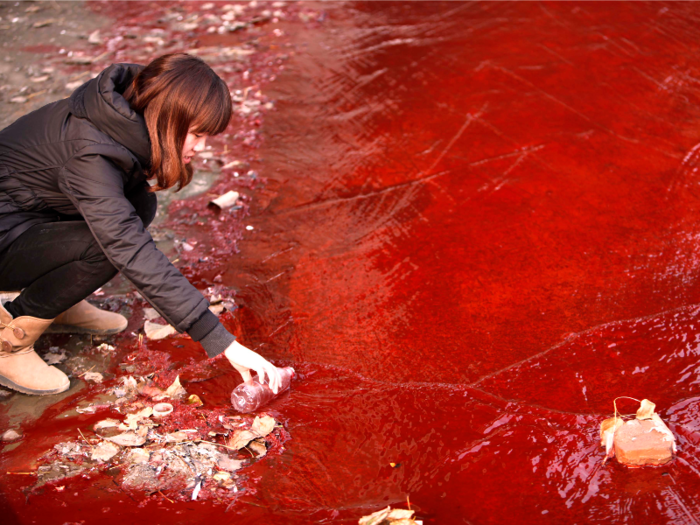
<point x="469" y="227"/>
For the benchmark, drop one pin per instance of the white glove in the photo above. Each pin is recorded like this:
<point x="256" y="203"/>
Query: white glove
<point x="245" y="360"/>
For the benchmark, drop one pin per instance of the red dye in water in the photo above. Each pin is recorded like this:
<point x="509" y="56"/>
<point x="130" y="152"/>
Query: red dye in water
<point x="478" y="228"/>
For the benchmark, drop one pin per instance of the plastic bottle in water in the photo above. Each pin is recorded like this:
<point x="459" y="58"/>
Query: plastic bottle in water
<point x="251" y="395"/>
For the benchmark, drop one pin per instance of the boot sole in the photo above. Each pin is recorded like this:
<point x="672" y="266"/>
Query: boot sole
<point x="68" y="329"/>
<point x="14" y="386"/>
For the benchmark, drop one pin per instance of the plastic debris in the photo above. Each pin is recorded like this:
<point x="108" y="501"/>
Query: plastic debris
<point x="645" y="440"/>
<point x="226" y="200"/>
<point x="162" y="409"/>
<point x="156" y="331"/>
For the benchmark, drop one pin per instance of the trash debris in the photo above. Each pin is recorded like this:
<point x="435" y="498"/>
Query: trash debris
<point x="156" y="331"/>
<point x="104" y="348"/>
<point x="10" y="435"/>
<point x="226" y="200"/>
<point x="645" y="440"/>
<point x="389" y="516"/>
<point x="95" y="377"/>
<point x="251" y="395"/>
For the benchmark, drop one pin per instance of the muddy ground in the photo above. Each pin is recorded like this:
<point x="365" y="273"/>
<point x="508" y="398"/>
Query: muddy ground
<point x="32" y="35"/>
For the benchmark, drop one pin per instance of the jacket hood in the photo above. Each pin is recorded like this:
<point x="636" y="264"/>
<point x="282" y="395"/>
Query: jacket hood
<point x="100" y="101"/>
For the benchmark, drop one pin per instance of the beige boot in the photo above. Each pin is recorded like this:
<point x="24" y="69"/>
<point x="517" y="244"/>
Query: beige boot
<point x="83" y="318"/>
<point x="21" y="368"/>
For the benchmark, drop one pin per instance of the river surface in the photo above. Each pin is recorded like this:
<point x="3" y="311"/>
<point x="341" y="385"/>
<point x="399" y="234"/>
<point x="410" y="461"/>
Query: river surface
<point x="478" y="226"/>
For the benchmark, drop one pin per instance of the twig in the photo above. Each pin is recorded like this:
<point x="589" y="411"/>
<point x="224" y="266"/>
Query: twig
<point x="22" y="473"/>
<point x="408" y="502"/>
<point x="166" y="497"/>
<point x="86" y="441"/>
<point x="86" y="371"/>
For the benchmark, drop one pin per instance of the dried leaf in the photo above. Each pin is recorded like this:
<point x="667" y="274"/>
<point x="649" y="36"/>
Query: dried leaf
<point x="194" y="400"/>
<point x="262" y="426"/>
<point x="95" y="377"/>
<point x="150" y="314"/>
<point x="646" y="410"/>
<point x="106" y="423"/>
<point x="226" y="200"/>
<point x="607" y="433"/>
<point x="400" y="514"/>
<point x="175" y="391"/>
<point x="54" y="359"/>
<point x="241" y="438"/>
<point x="177" y="437"/>
<point x="258" y="446"/>
<point x="127" y="439"/>
<point x="132" y="420"/>
<point x="156" y="331"/>
<point x="104" y="452"/>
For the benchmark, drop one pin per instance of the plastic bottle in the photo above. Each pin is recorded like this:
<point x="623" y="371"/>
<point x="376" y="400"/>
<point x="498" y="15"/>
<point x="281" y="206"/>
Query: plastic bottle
<point x="251" y="395"/>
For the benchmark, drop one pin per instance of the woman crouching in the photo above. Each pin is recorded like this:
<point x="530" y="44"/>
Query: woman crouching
<point x="75" y="204"/>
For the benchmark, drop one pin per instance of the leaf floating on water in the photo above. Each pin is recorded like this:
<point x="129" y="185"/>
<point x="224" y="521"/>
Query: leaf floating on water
<point x="127" y="439"/>
<point x="176" y="391"/>
<point x="646" y="410"/>
<point x="241" y="438"/>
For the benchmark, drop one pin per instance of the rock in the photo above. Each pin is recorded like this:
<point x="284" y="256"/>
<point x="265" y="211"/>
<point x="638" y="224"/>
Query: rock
<point x="644" y="442"/>
<point x="11" y="435"/>
<point x="104" y="452"/>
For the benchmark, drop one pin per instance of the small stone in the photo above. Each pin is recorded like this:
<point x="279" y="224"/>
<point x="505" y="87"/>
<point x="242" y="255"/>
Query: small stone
<point x="643" y="442"/>
<point x="11" y="435"/>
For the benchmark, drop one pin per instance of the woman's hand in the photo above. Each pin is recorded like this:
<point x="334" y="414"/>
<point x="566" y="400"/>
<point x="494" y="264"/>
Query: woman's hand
<point x="245" y="360"/>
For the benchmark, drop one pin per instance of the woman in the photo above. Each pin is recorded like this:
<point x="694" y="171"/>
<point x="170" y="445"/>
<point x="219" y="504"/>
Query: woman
<point x="75" y="204"/>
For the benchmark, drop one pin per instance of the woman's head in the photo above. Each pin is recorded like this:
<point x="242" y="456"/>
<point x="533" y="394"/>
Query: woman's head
<point x="178" y="95"/>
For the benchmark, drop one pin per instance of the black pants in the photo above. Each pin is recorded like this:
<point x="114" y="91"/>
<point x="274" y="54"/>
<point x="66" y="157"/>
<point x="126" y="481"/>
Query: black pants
<point x="56" y="265"/>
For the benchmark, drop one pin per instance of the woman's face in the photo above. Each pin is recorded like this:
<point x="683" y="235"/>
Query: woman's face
<point x="194" y="142"/>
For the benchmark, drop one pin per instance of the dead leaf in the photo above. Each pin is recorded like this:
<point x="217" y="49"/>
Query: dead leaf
<point x="54" y="359"/>
<point x="262" y="426"/>
<point x="194" y="400"/>
<point x="175" y="391"/>
<point x="150" y="314"/>
<point x="43" y="23"/>
<point x="258" y="446"/>
<point x="156" y="331"/>
<point x="132" y="420"/>
<point x="241" y="438"/>
<point x="95" y="377"/>
<point x="104" y="452"/>
<point x="127" y="439"/>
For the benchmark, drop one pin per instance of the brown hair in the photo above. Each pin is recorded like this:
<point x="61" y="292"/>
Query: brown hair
<point x="176" y="93"/>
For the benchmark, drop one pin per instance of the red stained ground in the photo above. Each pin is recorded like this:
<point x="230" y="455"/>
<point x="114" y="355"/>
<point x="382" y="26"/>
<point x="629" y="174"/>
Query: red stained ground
<point x="478" y="227"/>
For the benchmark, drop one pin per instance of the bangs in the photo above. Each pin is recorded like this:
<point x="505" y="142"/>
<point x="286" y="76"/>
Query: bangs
<point x="214" y="111"/>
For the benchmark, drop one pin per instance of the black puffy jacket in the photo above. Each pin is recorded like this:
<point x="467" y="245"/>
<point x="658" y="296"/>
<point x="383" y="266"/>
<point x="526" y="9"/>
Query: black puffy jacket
<point x="86" y="156"/>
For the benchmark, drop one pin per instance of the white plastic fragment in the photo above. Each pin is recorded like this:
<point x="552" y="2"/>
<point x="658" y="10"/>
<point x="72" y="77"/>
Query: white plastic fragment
<point x="226" y="200"/>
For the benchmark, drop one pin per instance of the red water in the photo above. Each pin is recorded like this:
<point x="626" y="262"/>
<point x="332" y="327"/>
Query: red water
<point x="478" y="227"/>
